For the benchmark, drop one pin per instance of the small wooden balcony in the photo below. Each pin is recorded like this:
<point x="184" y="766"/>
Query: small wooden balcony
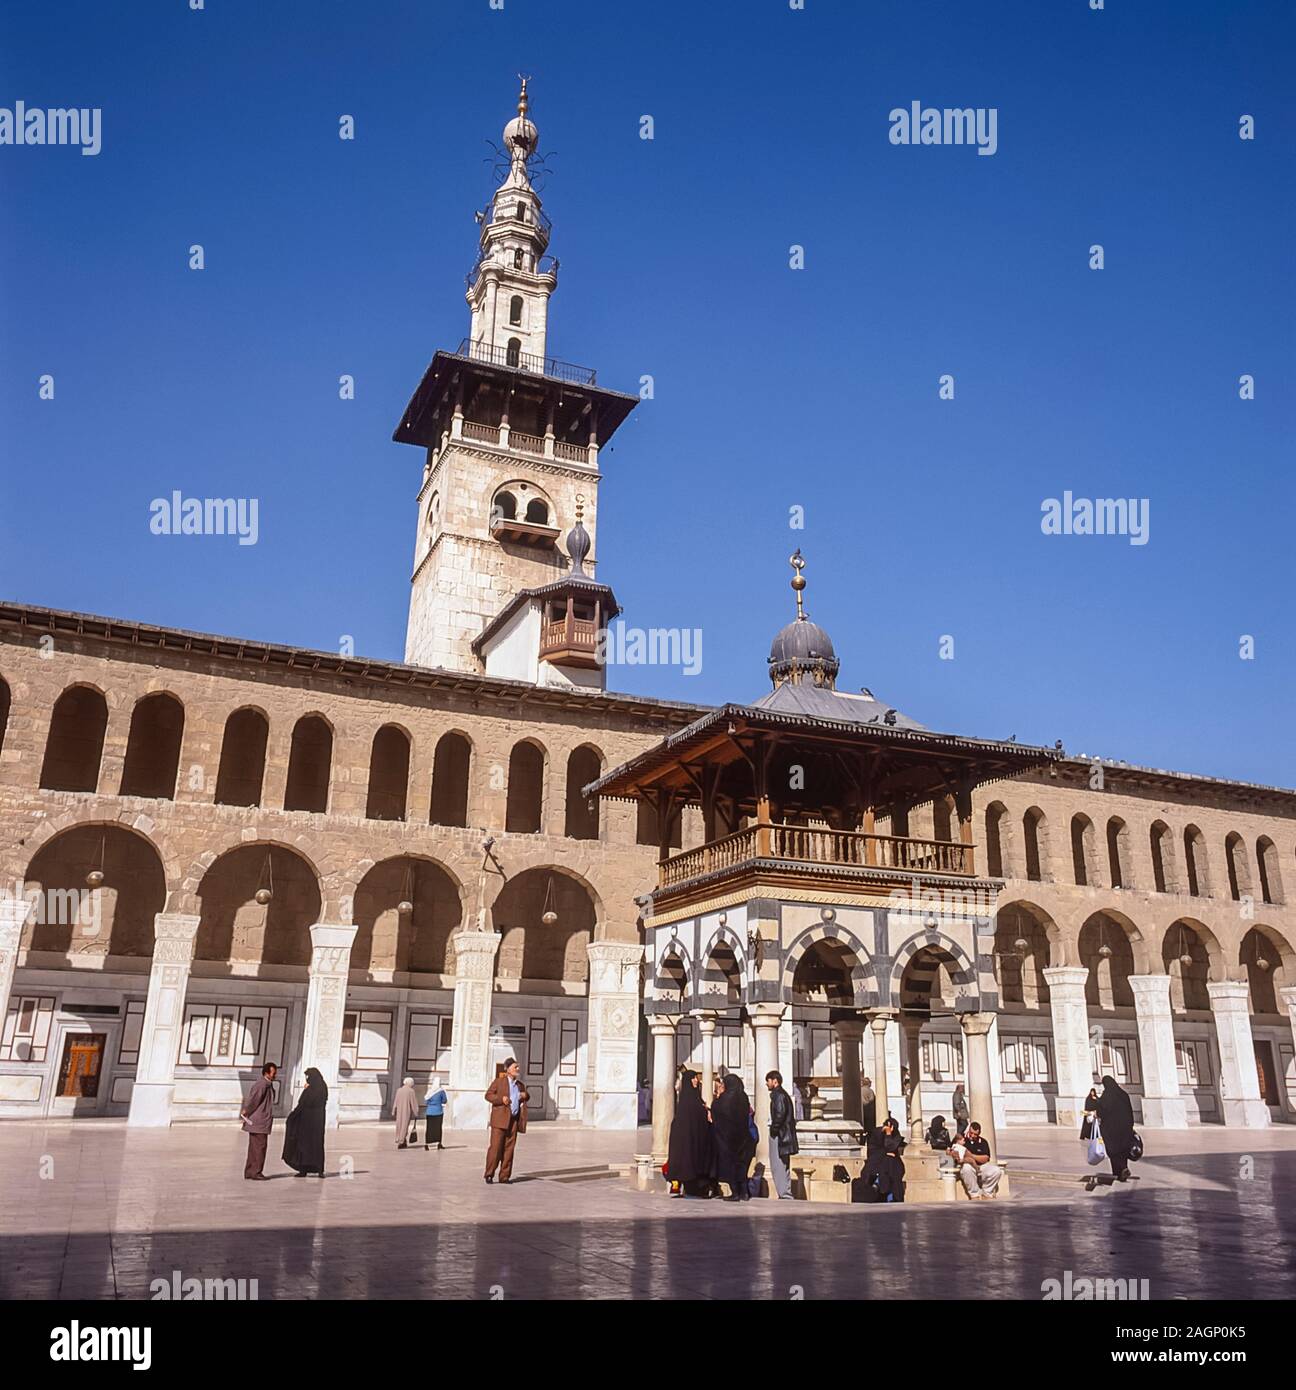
<point x="800" y="849"/>
<point x="570" y="641"/>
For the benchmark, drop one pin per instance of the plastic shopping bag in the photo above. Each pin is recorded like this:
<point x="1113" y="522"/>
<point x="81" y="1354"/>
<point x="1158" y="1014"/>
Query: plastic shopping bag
<point x="1097" y="1150"/>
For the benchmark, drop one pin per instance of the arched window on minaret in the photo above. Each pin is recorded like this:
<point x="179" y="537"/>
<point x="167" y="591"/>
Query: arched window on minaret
<point x="538" y="511"/>
<point x="515" y="305"/>
<point x="517" y="265"/>
<point x="514" y="352"/>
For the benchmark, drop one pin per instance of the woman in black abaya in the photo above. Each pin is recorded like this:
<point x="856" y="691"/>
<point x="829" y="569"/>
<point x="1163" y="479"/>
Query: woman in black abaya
<point x="303" y="1147"/>
<point x="1116" y="1124"/>
<point x="730" y="1122"/>
<point x="690" y="1160"/>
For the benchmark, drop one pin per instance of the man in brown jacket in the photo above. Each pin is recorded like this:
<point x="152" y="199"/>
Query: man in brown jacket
<point x="258" y="1120"/>
<point x="508" y="1101"/>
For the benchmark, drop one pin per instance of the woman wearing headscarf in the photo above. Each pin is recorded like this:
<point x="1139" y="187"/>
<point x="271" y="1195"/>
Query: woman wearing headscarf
<point x="731" y="1124"/>
<point x="690" y="1159"/>
<point x="868" y="1106"/>
<point x="303" y="1148"/>
<point x="1116" y="1124"/>
<point x="938" y="1135"/>
<point x="882" y="1177"/>
<point x="1090" y="1106"/>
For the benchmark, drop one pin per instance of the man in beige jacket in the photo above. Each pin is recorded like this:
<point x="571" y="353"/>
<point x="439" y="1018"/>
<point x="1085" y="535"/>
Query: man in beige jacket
<point x="406" y="1108"/>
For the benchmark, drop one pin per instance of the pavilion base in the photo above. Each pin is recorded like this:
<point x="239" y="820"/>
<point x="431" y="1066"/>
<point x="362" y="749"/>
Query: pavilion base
<point x="926" y="1179"/>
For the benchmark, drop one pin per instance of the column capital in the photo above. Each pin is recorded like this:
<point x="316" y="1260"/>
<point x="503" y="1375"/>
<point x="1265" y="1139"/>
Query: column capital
<point x="879" y="1018"/>
<point x="614" y="966"/>
<point x="1150" y="992"/>
<point x="706" y="1020"/>
<point x="768" y="1015"/>
<point x="1287" y="993"/>
<point x="330" y="935"/>
<point x="1228" y="996"/>
<point x="474" y="954"/>
<point x="1066" y="976"/>
<point x="659" y="1024"/>
<point x="14" y="913"/>
<point x="977" y="1025"/>
<point x="850" y="1028"/>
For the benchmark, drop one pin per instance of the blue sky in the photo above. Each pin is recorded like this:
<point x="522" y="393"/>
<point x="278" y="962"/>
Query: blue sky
<point x="816" y="388"/>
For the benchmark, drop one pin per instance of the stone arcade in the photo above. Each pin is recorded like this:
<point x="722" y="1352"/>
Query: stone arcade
<point x="218" y="851"/>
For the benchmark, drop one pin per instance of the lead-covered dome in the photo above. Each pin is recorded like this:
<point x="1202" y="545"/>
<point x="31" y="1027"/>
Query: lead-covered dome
<point x="802" y="651"/>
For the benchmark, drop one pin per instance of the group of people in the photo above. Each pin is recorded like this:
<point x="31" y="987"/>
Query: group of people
<point x="713" y="1146"/>
<point x="968" y="1150"/>
<point x="303" y="1149"/>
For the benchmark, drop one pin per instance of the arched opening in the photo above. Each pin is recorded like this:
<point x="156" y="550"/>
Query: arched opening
<point x="1264" y="956"/>
<point x="406" y="910"/>
<point x="672" y="975"/>
<point x="99" y="888"/>
<point x="944" y="818"/>
<point x="998" y="856"/>
<point x="533" y="949"/>
<point x="1186" y="959"/>
<point x="389" y="760"/>
<point x="513" y="353"/>
<point x="309" y="763"/>
<point x="1269" y="871"/>
<point x="537" y="511"/>
<point x="515" y="310"/>
<point x="1118" y="856"/>
<point x="1161" y="843"/>
<point x="1106" y="949"/>
<point x="1239" y="871"/>
<point x="721" y="977"/>
<point x="933" y="981"/>
<point x="153" y="747"/>
<point x="257" y="905"/>
<point x="1035" y="837"/>
<point x="583" y="767"/>
<point x="1084" y="863"/>
<point x="524" y="810"/>
<point x="823" y="975"/>
<point x="74" y="748"/>
<point x="1196" y="865"/>
<point x="5" y="700"/>
<point x="1021" y="956"/>
<point x="450" y="765"/>
<point x="242" y="760"/>
<point x="504" y="508"/>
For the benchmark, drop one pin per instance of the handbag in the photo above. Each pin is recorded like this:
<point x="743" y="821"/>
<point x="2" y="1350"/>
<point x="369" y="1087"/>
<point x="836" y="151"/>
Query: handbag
<point x="1086" y="1126"/>
<point x="752" y="1132"/>
<point x="413" y="1134"/>
<point x="1136" y="1148"/>
<point x="1097" y="1149"/>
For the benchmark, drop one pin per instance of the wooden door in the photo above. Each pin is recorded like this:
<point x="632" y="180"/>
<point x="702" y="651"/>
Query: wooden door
<point x="1268" y="1077"/>
<point x="82" y="1061"/>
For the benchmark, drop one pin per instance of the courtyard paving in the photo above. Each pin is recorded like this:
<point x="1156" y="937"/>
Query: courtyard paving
<point x="92" y="1210"/>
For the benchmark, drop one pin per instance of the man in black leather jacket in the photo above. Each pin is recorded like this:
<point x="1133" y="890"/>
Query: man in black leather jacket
<point x="783" y="1136"/>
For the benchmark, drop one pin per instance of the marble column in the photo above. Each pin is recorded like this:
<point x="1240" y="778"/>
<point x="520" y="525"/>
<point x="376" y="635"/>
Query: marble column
<point x="1070" y="1041"/>
<point x="14" y="913"/>
<point x="850" y="1033"/>
<point x="612" y="1101"/>
<point x="878" y="1020"/>
<point x="470" y="1060"/>
<point x="159" y="1044"/>
<point x="1163" y="1107"/>
<point x="706" y="1022"/>
<point x="662" y="1027"/>
<point x="1239" y="1080"/>
<point x="911" y="1026"/>
<point x="976" y="1050"/>
<point x="766" y="1019"/>
<point x="325" y="1006"/>
<point x="1287" y="995"/>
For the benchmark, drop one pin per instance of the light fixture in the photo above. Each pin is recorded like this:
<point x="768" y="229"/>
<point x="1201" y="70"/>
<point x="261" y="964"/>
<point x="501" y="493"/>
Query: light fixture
<point x="95" y="878"/>
<point x="1105" y="951"/>
<point x="265" y="891"/>
<point x="1185" y="955"/>
<point x="1021" y="944"/>
<point x="549" y="916"/>
<point x="828" y="914"/>
<point x="405" y="908"/>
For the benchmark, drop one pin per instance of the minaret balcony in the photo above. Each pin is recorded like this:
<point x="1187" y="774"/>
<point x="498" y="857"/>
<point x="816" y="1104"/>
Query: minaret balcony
<point x="499" y="356"/>
<point x="570" y="641"/>
<point x="812" y="852"/>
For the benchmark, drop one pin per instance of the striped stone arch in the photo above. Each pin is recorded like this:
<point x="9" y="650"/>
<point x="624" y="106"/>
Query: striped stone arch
<point x="90" y="812"/>
<point x="863" y="974"/>
<point x="665" y="986"/>
<point x="975" y="976"/>
<point x="710" y="975"/>
<point x="328" y="868"/>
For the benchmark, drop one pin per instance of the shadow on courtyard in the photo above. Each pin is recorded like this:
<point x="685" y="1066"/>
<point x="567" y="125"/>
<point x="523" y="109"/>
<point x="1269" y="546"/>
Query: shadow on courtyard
<point x="1235" y="1239"/>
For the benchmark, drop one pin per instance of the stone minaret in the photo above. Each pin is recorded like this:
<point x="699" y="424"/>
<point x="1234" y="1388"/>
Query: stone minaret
<point x="512" y="436"/>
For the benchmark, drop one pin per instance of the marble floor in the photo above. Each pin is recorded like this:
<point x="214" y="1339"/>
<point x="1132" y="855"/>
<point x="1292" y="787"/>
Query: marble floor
<point x="89" y="1209"/>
